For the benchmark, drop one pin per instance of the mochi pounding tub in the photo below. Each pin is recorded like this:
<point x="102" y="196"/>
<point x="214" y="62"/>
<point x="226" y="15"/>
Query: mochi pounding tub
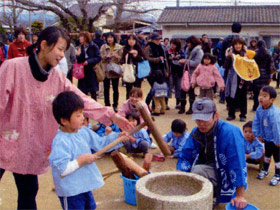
<point x="174" y="190"/>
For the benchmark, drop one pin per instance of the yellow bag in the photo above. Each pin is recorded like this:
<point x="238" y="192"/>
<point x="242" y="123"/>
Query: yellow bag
<point x="246" y="67"/>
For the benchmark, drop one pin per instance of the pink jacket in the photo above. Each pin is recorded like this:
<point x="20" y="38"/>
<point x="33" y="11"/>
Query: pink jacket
<point x="206" y="76"/>
<point x="27" y="125"/>
<point x="128" y="108"/>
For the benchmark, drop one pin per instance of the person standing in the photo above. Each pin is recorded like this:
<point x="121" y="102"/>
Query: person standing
<point x="206" y="44"/>
<point x="154" y="53"/>
<point x="194" y="56"/>
<point x="111" y="52"/>
<point x="88" y="54"/>
<point x="134" y="54"/>
<point x="28" y="87"/>
<point x="206" y="152"/>
<point x="19" y="46"/>
<point x="266" y="68"/>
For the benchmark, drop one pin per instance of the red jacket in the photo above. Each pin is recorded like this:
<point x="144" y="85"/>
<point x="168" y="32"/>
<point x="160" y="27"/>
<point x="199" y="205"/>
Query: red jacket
<point x="18" y="49"/>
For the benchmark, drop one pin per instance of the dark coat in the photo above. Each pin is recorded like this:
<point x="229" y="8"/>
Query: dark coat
<point x="265" y="64"/>
<point x="89" y="82"/>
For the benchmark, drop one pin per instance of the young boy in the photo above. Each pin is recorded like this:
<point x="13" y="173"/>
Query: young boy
<point x="178" y="136"/>
<point x="141" y="141"/>
<point x="266" y="127"/>
<point x="74" y="171"/>
<point x="160" y="92"/>
<point x="254" y="149"/>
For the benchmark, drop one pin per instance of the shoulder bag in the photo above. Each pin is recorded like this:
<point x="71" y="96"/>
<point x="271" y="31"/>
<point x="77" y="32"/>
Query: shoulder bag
<point x="78" y="70"/>
<point x="128" y="71"/>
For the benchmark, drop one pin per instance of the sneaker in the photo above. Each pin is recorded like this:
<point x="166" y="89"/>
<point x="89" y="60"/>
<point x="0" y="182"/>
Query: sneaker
<point x="275" y="180"/>
<point x="153" y="146"/>
<point x="262" y="174"/>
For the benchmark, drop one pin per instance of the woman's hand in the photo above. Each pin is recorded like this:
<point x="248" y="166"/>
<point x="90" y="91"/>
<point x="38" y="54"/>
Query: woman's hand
<point x="182" y="61"/>
<point x="133" y="52"/>
<point x="78" y="53"/>
<point x="123" y="123"/>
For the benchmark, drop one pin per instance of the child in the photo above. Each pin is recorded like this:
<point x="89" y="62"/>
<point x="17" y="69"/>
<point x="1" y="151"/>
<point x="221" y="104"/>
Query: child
<point x="129" y="106"/>
<point x="159" y="92"/>
<point x="74" y="172"/>
<point x="206" y="75"/>
<point x="266" y="127"/>
<point x="254" y="149"/>
<point x="178" y="135"/>
<point x="104" y="130"/>
<point x="141" y="141"/>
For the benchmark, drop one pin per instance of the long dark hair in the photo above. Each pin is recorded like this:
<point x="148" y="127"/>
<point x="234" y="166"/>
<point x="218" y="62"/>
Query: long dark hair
<point x="194" y="41"/>
<point x="177" y="43"/>
<point x="136" y="46"/>
<point x="50" y="35"/>
<point x="113" y="35"/>
<point x="261" y="48"/>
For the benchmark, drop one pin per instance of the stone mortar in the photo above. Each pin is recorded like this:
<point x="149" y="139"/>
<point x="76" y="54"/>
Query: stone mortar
<point x="174" y="190"/>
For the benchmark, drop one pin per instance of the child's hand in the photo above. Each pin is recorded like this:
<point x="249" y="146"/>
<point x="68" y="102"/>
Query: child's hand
<point x="261" y="139"/>
<point x="86" y="159"/>
<point x="132" y="139"/>
<point x="108" y="130"/>
<point x="124" y="135"/>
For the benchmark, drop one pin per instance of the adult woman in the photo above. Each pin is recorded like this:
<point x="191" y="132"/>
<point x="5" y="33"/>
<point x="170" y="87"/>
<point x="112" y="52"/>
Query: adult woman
<point x="266" y="68"/>
<point x="88" y="54"/>
<point x="194" y="56"/>
<point x="27" y="127"/>
<point x="111" y="52"/>
<point x="156" y="56"/>
<point x="174" y="55"/>
<point x="135" y="55"/>
<point x="236" y="88"/>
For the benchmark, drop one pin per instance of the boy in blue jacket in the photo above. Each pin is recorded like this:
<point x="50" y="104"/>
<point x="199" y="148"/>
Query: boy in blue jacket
<point x="266" y="127"/>
<point x="178" y="136"/>
<point x="254" y="149"/>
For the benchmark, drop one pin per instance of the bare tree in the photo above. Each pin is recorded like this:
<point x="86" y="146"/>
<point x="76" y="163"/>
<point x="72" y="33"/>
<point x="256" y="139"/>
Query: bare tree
<point x="10" y="13"/>
<point x="62" y="9"/>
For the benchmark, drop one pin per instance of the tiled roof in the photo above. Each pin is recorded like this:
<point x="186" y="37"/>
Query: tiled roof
<point x="221" y="14"/>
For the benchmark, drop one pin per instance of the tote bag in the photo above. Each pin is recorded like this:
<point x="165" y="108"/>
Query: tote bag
<point x="128" y="71"/>
<point x="114" y="69"/>
<point x="100" y="74"/>
<point x="185" y="82"/>
<point x="78" y="70"/>
<point x="143" y="69"/>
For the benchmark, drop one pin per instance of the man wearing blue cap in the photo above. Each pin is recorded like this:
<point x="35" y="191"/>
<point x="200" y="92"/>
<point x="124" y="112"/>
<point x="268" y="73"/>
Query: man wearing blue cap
<point x="215" y="150"/>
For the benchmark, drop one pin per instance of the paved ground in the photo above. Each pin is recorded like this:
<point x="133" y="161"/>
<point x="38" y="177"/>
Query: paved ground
<point x="110" y="196"/>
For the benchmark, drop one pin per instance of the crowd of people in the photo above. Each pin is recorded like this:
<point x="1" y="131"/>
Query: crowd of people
<point x="42" y="113"/>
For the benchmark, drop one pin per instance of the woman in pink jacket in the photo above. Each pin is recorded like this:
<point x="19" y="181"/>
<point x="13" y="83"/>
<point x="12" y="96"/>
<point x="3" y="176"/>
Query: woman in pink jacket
<point x="28" y="86"/>
<point x="206" y="75"/>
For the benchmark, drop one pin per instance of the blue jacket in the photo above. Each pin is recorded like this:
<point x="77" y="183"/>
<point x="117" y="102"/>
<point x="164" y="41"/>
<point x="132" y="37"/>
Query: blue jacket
<point x="141" y="135"/>
<point x="229" y="157"/>
<point x="266" y="124"/>
<point x="176" y="142"/>
<point x="67" y="147"/>
<point x="255" y="149"/>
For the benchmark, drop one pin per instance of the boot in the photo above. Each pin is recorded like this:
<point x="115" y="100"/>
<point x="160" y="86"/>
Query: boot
<point x="190" y="109"/>
<point x="182" y="107"/>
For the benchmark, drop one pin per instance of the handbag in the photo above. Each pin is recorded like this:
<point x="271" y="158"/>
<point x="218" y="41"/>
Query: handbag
<point x="185" y="82"/>
<point x="143" y="69"/>
<point x="128" y="71"/>
<point x="100" y="74"/>
<point x="114" y="69"/>
<point x="78" y="70"/>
